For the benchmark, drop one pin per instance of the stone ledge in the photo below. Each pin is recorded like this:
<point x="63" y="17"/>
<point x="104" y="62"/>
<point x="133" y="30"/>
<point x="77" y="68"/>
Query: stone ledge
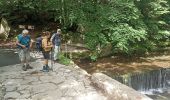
<point x="116" y="90"/>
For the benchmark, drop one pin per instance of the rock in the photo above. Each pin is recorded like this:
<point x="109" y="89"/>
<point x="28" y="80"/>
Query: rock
<point x="22" y="87"/>
<point x="46" y="78"/>
<point x="11" y="95"/>
<point x="24" y="94"/>
<point x="42" y="88"/>
<point x="116" y="90"/>
<point x="10" y="88"/>
<point x="13" y="82"/>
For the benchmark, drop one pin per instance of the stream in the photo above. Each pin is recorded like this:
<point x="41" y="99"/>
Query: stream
<point x="155" y="83"/>
<point x="8" y="57"/>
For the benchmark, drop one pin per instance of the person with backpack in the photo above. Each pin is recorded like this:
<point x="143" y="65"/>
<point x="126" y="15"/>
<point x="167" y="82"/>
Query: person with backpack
<point x="24" y="44"/>
<point x="38" y="44"/>
<point x="56" y="41"/>
<point x="46" y="48"/>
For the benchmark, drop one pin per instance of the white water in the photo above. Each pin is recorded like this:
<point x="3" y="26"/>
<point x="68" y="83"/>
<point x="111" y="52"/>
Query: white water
<point x="155" y="84"/>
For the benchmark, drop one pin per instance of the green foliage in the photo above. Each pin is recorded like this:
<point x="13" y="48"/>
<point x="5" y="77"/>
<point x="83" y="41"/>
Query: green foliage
<point x="63" y="60"/>
<point x="156" y="13"/>
<point x="93" y="57"/>
<point x="119" y="24"/>
<point x="130" y="26"/>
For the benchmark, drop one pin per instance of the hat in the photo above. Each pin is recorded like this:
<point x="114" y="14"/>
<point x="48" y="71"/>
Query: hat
<point x="58" y="30"/>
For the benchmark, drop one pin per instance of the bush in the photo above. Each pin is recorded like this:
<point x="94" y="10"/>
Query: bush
<point x="64" y="60"/>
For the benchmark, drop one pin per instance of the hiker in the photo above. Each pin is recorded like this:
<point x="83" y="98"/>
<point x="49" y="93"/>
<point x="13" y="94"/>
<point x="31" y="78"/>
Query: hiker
<point x="24" y="44"/>
<point x="47" y="46"/>
<point x="38" y="44"/>
<point x="56" y="41"/>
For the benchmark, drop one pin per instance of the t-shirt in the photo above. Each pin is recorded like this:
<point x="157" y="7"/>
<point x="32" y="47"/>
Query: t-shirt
<point x="24" y="40"/>
<point x="56" y="40"/>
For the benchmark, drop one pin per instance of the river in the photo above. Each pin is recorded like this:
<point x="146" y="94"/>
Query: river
<point x="155" y="83"/>
<point x="8" y="57"/>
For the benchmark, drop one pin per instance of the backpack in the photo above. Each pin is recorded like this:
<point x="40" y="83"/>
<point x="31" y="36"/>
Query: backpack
<point x="56" y="39"/>
<point x="38" y="44"/>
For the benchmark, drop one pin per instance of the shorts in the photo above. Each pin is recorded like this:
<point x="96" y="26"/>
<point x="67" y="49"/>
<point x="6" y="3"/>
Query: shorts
<point x="46" y="54"/>
<point x="24" y="54"/>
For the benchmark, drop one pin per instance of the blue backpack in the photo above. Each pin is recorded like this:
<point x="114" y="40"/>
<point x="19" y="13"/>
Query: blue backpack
<point x="38" y="44"/>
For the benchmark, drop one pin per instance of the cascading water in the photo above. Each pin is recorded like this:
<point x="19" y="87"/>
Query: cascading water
<point x="149" y="82"/>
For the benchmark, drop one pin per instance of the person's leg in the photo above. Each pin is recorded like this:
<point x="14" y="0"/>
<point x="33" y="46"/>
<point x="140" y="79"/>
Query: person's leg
<point x="47" y="58"/>
<point x="59" y="50"/>
<point x="56" y="51"/>
<point x="45" y="64"/>
<point x="43" y="52"/>
<point x="22" y="58"/>
<point x="27" y="55"/>
<point x="45" y="67"/>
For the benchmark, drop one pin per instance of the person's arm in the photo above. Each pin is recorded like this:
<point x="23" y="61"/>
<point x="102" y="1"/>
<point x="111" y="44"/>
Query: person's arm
<point x="51" y="39"/>
<point x="31" y="42"/>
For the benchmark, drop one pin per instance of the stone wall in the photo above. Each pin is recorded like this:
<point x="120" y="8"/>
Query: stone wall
<point x="116" y="90"/>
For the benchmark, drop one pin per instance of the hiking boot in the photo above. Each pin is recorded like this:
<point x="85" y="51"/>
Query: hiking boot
<point x="29" y="67"/>
<point x="24" y="68"/>
<point x="47" y="68"/>
<point x="44" y="69"/>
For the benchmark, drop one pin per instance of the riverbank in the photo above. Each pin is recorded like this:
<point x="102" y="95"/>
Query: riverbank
<point x="37" y="85"/>
<point x="116" y="65"/>
<point x="10" y="43"/>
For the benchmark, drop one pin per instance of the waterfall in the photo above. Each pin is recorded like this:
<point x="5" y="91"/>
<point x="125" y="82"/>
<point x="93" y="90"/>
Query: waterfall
<point x="145" y="81"/>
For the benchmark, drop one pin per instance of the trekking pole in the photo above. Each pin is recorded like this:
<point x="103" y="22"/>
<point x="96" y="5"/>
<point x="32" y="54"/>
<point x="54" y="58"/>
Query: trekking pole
<point x="66" y="49"/>
<point x="52" y="59"/>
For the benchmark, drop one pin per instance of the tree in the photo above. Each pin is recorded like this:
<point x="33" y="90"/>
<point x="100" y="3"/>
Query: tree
<point x="127" y="26"/>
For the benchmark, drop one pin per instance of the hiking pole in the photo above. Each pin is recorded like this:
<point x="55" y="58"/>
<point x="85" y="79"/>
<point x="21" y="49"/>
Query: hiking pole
<point x="52" y="59"/>
<point x="66" y="49"/>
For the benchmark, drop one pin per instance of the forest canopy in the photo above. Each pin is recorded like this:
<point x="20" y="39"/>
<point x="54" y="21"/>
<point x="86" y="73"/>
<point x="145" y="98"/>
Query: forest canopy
<point x="124" y="26"/>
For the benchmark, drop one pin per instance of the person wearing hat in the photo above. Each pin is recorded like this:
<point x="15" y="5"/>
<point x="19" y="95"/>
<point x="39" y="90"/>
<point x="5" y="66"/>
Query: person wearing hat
<point x="56" y="41"/>
<point x="24" y="43"/>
